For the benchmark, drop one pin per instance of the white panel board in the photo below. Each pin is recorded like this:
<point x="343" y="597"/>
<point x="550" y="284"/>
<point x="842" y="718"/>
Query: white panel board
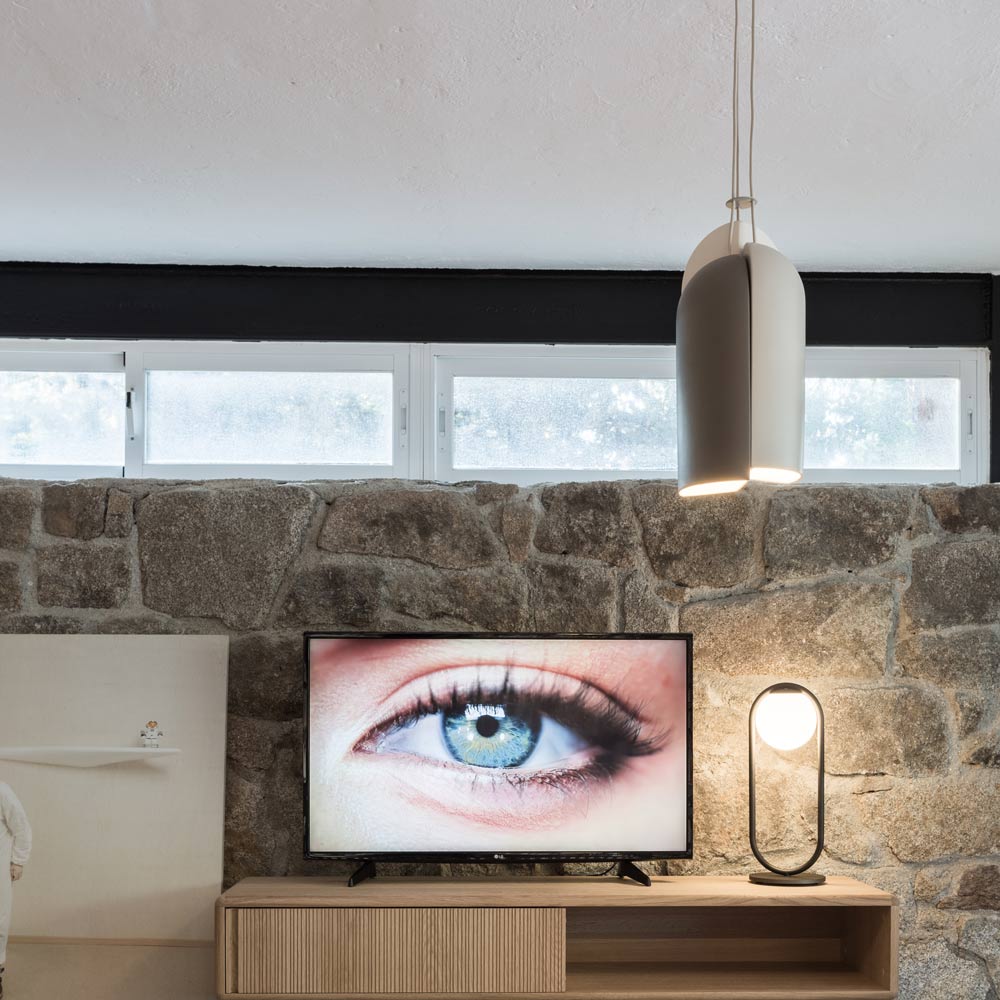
<point x="124" y="851"/>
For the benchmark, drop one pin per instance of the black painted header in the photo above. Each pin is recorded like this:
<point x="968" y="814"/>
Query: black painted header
<point x="143" y="301"/>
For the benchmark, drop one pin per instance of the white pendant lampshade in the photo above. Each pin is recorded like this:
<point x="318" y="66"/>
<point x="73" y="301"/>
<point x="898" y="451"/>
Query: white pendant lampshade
<point x="713" y="379"/>
<point x="777" y="366"/>
<point x="740" y="365"/>
<point x="741" y="337"/>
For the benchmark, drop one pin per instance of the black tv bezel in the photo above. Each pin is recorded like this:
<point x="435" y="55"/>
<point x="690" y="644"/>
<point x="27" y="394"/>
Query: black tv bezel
<point x="500" y="857"/>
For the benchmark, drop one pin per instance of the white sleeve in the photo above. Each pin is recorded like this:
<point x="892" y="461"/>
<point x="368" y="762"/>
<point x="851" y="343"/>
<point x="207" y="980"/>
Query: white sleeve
<point x="16" y="820"/>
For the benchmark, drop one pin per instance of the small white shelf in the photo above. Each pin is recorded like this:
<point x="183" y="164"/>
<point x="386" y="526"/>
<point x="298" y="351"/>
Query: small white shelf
<point x="84" y="756"/>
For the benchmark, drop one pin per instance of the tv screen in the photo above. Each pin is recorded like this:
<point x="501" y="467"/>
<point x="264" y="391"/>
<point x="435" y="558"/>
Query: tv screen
<point x="490" y="747"/>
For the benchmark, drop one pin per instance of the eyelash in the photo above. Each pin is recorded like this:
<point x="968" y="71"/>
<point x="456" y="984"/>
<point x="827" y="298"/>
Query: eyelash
<point x="592" y="722"/>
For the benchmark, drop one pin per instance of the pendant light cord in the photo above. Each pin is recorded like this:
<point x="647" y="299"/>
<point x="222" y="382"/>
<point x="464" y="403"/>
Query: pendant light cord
<point x="734" y="177"/>
<point x="734" y="172"/>
<point x="753" y="66"/>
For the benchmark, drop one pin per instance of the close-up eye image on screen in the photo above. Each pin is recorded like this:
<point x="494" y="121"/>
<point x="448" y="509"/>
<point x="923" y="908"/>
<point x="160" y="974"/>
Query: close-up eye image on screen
<point x="498" y="745"/>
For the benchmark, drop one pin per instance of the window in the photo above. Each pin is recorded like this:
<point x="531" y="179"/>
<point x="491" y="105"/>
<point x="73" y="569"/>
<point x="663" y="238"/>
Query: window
<point x="523" y="414"/>
<point x="200" y="410"/>
<point x="901" y="415"/>
<point x="62" y="414"/>
<point x="297" y="411"/>
<point x="527" y="414"/>
<point x="276" y="418"/>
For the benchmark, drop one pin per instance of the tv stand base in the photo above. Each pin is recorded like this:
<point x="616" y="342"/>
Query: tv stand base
<point x="366" y="871"/>
<point x="628" y="869"/>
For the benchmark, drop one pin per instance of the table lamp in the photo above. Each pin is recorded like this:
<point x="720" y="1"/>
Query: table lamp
<point x="786" y="716"/>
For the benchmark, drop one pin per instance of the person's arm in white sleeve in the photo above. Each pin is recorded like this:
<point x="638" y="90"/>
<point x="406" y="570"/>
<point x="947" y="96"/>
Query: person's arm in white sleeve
<point x="16" y="821"/>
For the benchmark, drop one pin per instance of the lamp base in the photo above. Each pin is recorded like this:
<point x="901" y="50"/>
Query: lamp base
<point x="773" y="878"/>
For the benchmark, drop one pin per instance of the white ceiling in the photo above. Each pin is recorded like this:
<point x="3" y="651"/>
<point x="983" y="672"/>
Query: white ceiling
<point x="514" y="133"/>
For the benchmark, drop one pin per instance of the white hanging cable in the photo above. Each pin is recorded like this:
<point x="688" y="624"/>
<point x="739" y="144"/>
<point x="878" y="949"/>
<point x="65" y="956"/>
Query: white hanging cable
<point x="736" y="103"/>
<point x="753" y="60"/>
<point x="738" y="202"/>
<point x="734" y="172"/>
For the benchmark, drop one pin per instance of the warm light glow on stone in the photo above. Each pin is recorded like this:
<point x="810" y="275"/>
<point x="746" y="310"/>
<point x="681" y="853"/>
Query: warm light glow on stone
<point x="707" y="489"/>
<point x="765" y="475"/>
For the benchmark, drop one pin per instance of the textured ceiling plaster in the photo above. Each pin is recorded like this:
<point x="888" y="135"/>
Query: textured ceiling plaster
<point x="493" y="132"/>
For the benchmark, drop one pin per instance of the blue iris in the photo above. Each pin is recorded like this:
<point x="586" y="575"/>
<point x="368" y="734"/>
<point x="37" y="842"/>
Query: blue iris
<point x="487" y="736"/>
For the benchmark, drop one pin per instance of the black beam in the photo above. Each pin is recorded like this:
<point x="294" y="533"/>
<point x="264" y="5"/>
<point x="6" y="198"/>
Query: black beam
<point x="994" y="394"/>
<point x="285" y="303"/>
<point x="898" y="310"/>
<point x="115" y="301"/>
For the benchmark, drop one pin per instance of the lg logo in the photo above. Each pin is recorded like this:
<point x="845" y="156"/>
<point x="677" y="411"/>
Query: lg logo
<point x="498" y="857"/>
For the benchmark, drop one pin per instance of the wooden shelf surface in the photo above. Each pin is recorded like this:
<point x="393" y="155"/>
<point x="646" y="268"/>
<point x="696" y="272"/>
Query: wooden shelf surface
<point x="561" y="891"/>
<point x="671" y="981"/>
<point x="711" y="981"/>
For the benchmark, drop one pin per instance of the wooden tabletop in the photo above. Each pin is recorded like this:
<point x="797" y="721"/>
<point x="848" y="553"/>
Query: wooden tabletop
<point x="561" y="891"/>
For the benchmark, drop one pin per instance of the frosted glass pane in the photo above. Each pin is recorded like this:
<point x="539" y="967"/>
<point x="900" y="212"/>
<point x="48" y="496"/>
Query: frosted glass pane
<point x="62" y="418"/>
<point x="269" y="418"/>
<point x="883" y="423"/>
<point x="564" y="423"/>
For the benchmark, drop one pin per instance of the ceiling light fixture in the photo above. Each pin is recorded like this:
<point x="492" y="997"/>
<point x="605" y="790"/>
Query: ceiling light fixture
<point x="741" y="325"/>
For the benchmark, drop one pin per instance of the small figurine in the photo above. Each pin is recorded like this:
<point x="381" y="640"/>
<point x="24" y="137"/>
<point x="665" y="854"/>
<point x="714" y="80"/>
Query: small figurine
<point x="150" y="735"/>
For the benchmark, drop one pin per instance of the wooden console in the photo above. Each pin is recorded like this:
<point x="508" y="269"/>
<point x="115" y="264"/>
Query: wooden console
<point x="582" y="938"/>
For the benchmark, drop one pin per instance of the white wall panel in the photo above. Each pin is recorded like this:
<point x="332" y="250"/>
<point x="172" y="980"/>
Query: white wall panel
<point x="127" y="851"/>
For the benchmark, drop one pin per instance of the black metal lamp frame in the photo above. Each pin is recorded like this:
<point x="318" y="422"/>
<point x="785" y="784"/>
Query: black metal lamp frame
<point x="775" y="875"/>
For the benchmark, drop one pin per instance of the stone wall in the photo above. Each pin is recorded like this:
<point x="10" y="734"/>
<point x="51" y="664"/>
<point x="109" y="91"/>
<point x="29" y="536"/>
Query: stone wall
<point x="884" y="600"/>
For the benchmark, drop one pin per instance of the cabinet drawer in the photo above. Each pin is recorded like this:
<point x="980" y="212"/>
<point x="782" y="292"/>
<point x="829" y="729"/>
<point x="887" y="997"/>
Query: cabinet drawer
<point x="328" y="950"/>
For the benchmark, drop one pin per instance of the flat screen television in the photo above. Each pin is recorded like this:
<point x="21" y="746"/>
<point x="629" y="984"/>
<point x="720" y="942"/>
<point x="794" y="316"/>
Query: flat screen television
<point x="486" y="748"/>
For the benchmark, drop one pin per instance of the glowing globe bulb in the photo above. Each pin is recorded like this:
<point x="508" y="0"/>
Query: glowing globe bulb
<point x="786" y="719"/>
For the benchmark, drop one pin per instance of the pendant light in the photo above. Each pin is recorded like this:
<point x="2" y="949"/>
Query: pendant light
<point x="741" y="326"/>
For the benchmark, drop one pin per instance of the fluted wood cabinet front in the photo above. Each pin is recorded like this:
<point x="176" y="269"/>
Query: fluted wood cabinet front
<point x="436" y="950"/>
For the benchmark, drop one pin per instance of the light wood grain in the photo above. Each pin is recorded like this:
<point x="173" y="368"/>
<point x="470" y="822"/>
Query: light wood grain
<point x="225" y="936"/>
<point x="397" y="950"/>
<point x="708" y="921"/>
<point x="893" y="946"/>
<point x="601" y="951"/>
<point x="858" y="939"/>
<point x="690" y="981"/>
<point x="806" y="981"/>
<point x="701" y="938"/>
<point x="687" y="890"/>
<point x="871" y="945"/>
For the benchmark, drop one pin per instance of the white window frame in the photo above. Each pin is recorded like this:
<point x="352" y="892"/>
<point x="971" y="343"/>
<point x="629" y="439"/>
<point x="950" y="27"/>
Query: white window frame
<point x="134" y="357"/>
<point x="525" y="360"/>
<point x="279" y="357"/>
<point x="422" y="390"/>
<point x="969" y="365"/>
<point x="62" y="356"/>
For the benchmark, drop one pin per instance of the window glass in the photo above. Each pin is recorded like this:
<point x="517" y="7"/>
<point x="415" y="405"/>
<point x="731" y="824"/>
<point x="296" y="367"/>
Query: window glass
<point x="62" y="418"/>
<point x="883" y="423"/>
<point x="269" y="418"/>
<point x="564" y="423"/>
